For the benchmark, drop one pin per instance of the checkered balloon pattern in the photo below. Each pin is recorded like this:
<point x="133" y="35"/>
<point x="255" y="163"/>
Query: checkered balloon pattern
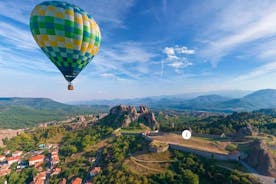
<point x="67" y="35"/>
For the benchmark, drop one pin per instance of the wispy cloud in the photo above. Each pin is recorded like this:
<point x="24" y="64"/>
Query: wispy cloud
<point x="128" y="52"/>
<point x="16" y="37"/>
<point x="105" y="11"/>
<point x="127" y="58"/>
<point x="22" y="62"/>
<point x="259" y="71"/>
<point x="239" y="23"/>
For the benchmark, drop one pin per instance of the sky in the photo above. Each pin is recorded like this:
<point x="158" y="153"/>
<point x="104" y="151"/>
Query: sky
<point x="149" y="48"/>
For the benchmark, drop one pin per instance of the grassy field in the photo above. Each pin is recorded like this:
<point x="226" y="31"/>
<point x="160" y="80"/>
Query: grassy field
<point x="148" y="163"/>
<point x="197" y="143"/>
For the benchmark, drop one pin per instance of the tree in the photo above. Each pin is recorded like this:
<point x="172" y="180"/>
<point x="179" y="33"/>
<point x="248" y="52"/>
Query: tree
<point x="189" y="177"/>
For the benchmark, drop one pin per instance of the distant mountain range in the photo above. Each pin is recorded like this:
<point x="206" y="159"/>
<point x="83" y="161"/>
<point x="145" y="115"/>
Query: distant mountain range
<point x="26" y="112"/>
<point x="261" y="99"/>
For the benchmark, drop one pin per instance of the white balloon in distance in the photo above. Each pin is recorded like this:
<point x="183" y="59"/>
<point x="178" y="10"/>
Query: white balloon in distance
<point x="186" y="134"/>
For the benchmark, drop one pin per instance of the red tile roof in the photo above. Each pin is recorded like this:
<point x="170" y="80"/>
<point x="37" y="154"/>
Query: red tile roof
<point x="77" y="181"/>
<point x="13" y="158"/>
<point x="37" y="157"/>
<point x="95" y="170"/>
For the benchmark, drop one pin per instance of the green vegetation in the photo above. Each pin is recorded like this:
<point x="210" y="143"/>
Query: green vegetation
<point x="25" y="176"/>
<point x="83" y="139"/>
<point x="26" y="112"/>
<point x="217" y="125"/>
<point x="188" y="168"/>
<point x="118" y="156"/>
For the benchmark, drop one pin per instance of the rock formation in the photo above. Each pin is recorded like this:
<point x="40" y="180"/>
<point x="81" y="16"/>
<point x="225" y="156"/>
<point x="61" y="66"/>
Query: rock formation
<point x="261" y="159"/>
<point x="245" y="131"/>
<point x="123" y="116"/>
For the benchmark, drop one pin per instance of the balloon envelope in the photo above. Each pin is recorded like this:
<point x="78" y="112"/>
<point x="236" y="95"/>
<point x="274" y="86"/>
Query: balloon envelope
<point x="68" y="35"/>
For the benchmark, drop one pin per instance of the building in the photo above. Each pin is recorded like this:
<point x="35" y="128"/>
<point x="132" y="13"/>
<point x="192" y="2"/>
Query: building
<point x="12" y="160"/>
<point x="54" y="157"/>
<point x="4" y="170"/>
<point x="39" y="178"/>
<point x="36" y="160"/>
<point x="41" y="146"/>
<point x="77" y="181"/>
<point x="6" y="152"/>
<point x="56" y="171"/>
<point x="2" y="158"/>
<point x="17" y="153"/>
<point x="80" y="118"/>
<point x="94" y="171"/>
<point x="63" y="181"/>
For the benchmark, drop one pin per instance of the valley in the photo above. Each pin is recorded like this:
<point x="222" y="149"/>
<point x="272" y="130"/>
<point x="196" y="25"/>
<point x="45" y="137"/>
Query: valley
<point x="130" y="144"/>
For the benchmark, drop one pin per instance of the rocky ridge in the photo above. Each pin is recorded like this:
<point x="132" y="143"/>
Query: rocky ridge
<point x="123" y="116"/>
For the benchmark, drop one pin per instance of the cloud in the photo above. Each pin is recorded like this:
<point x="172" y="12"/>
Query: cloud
<point x="108" y="75"/>
<point x="238" y="24"/>
<point x="128" y="60"/>
<point x="259" y="71"/>
<point x="179" y="64"/>
<point x="20" y="62"/>
<point x="176" y="58"/>
<point x="169" y="51"/>
<point x="183" y="50"/>
<point x="128" y="52"/>
<point x="16" y="37"/>
<point x="104" y="11"/>
<point x="172" y="51"/>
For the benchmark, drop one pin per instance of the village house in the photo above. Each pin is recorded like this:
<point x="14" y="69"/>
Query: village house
<point x="17" y="153"/>
<point x="22" y="164"/>
<point x="4" y="170"/>
<point x="2" y="158"/>
<point x="63" y="181"/>
<point x="54" y="157"/>
<point x="77" y="181"/>
<point x="6" y="152"/>
<point x="92" y="159"/>
<point x="12" y="160"/>
<point x="56" y="171"/>
<point x="94" y="171"/>
<point x="36" y="160"/>
<point x="39" y="178"/>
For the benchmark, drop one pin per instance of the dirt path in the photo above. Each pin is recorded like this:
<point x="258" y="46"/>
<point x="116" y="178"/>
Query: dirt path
<point x="143" y="166"/>
<point x="152" y="161"/>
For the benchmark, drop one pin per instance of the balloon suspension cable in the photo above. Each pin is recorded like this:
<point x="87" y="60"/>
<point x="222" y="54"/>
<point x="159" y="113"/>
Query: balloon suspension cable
<point x="70" y="86"/>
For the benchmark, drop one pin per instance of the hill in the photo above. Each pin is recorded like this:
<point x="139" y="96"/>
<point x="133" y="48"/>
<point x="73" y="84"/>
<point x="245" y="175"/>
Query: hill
<point x="26" y="112"/>
<point x="261" y="99"/>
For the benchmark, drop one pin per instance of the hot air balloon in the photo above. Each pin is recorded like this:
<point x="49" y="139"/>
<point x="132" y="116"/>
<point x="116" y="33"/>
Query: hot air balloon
<point x="68" y="35"/>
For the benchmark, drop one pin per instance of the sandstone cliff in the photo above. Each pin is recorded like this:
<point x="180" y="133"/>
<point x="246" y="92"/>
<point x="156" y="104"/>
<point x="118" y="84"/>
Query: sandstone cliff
<point x="123" y="116"/>
<point x="261" y="159"/>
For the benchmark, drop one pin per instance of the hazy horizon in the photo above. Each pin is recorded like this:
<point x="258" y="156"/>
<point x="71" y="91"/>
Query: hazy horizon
<point x="149" y="48"/>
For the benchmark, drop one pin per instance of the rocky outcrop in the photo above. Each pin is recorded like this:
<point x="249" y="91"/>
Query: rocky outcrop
<point x="245" y="131"/>
<point x="143" y="109"/>
<point x="8" y="134"/>
<point x="261" y="159"/>
<point x="124" y="115"/>
<point x="149" y="120"/>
